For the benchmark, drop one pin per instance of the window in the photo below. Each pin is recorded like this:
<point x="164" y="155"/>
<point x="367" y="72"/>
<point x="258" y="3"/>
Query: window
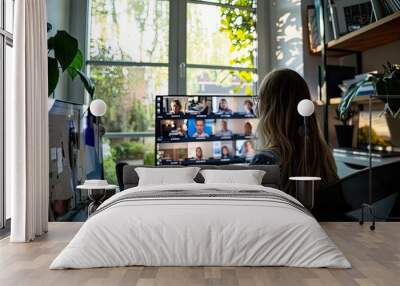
<point x="221" y="48"/>
<point x="6" y="42"/>
<point x="142" y="48"/>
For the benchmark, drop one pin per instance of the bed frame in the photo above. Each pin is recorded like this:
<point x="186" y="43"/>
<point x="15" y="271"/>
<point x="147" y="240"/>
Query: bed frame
<point x="128" y="178"/>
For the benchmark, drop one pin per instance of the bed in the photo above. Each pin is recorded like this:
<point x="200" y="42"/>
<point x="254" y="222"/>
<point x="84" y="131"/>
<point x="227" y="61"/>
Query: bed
<point x="197" y="224"/>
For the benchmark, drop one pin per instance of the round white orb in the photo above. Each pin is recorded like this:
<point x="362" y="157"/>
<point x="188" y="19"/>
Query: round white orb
<point x="98" y="107"/>
<point x="305" y="107"/>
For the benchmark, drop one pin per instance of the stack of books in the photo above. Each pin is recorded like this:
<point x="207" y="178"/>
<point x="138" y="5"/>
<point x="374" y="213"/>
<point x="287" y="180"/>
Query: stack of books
<point x="390" y="6"/>
<point x="366" y="89"/>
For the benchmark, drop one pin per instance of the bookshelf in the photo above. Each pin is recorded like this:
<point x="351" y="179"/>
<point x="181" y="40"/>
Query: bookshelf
<point x="379" y="33"/>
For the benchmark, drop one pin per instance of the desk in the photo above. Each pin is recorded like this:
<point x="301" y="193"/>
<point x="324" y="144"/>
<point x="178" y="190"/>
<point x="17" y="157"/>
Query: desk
<point x="348" y="164"/>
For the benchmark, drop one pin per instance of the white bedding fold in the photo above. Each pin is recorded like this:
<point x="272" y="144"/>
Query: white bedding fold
<point x="219" y="231"/>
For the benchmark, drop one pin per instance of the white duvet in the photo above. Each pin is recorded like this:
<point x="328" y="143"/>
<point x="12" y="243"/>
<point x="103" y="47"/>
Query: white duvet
<point x="200" y="231"/>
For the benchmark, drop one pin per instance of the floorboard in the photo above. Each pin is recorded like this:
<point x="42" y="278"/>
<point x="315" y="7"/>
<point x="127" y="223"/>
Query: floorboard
<point x="375" y="257"/>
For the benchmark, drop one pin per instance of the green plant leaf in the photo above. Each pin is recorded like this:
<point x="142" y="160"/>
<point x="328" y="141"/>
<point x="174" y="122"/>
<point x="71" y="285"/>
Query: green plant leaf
<point x="348" y="97"/>
<point x="50" y="43"/>
<point x="65" y="48"/>
<point x="53" y="74"/>
<point x="87" y="82"/>
<point x="76" y="64"/>
<point x="49" y="27"/>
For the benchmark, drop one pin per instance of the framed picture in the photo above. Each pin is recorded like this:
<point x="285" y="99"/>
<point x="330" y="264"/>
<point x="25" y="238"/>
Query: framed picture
<point x="353" y="14"/>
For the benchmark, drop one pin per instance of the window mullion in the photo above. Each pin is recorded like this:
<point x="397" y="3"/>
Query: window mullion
<point x="2" y="136"/>
<point x="182" y="47"/>
<point x="173" y="58"/>
<point x="263" y="61"/>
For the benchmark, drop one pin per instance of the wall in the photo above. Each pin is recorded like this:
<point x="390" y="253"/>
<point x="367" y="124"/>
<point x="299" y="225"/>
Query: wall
<point x="58" y="16"/>
<point x="286" y="35"/>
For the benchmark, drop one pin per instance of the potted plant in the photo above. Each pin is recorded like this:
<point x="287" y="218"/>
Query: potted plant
<point x="344" y="131"/>
<point x="387" y="88"/>
<point x="64" y="55"/>
<point x="387" y="83"/>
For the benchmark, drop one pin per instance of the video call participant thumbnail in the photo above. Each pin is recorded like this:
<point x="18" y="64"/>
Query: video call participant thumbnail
<point x="199" y="128"/>
<point x="248" y="108"/>
<point x="198" y="154"/>
<point x="245" y="149"/>
<point x="223" y="107"/>
<point x="224" y="131"/>
<point x="248" y="129"/>
<point x="199" y="105"/>
<point x="223" y="150"/>
<point x="173" y="128"/>
<point x="200" y="151"/>
<point x="176" y="108"/>
<point x="176" y="152"/>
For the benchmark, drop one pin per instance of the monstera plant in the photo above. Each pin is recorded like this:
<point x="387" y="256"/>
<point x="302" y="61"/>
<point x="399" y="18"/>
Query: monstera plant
<point x="64" y="55"/>
<point x="386" y="83"/>
<point x="386" y="86"/>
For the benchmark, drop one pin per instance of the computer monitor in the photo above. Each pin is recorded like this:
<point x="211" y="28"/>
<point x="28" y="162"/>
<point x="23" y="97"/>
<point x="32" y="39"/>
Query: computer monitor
<point x="385" y="131"/>
<point x="209" y="129"/>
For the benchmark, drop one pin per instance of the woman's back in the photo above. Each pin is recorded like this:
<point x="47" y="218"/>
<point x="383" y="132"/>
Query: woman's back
<point x="281" y="131"/>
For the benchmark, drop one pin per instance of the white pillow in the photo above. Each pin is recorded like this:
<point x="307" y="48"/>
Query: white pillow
<point x="247" y="177"/>
<point x="166" y="176"/>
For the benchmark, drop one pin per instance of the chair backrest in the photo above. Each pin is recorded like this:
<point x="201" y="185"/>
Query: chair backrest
<point x="129" y="178"/>
<point x="333" y="202"/>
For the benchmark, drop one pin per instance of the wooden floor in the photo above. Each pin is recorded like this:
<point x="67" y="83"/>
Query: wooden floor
<point x="375" y="257"/>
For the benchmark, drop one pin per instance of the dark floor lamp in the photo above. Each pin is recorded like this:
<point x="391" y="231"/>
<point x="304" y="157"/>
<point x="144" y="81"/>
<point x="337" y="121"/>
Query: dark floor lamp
<point x="98" y="108"/>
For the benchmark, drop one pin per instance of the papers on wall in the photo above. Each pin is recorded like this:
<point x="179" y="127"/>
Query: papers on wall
<point x="60" y="166"/>
<point x="53" y="154"/>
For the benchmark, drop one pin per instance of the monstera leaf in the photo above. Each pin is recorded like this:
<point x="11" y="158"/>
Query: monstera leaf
<point x="53" y="74"/>
<point x="65" y="48"/>
<point x="64" y="54"/>
<point x="387" y="84"/>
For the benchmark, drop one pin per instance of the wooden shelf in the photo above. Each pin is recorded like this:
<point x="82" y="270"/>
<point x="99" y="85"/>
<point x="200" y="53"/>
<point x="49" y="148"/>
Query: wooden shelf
<point x="379" y="33"/>
<point x="361" y="99"/>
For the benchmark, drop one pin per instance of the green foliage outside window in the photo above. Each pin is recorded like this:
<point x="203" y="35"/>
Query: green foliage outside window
<point x="240" y="24"/>
<point x="125" y="151"/>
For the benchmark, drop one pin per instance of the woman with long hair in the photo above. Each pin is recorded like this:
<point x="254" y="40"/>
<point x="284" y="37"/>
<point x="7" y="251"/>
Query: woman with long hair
<point x="281" y="131"/>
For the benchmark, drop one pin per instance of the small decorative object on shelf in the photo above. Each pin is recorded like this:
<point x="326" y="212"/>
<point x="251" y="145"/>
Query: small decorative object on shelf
<point x="96" y="192"/>
<point x="305" y="190"/>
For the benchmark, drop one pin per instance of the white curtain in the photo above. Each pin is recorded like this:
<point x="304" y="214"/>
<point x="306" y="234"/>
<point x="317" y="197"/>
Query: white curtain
<point x="27" y="169"/>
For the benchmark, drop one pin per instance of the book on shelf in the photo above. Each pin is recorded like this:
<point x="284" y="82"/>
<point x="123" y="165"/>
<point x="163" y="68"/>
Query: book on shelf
<point x="391" y="6"/>
<point x="377" y="9"/>
<point x="327" y="22"/>
<point x="333" y="19"/>
<point x="366" y="89"/>
<point x="313" y="32"/>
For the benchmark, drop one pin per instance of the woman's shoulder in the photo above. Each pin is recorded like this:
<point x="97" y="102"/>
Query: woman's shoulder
<point x="265" y="157"/>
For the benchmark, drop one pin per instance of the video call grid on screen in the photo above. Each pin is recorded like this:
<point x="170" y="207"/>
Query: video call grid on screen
<point x="205" y="129"/>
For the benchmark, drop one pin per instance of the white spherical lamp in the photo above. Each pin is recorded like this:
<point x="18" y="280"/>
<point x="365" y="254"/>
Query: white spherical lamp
<point x="98" y="107"/>
<point x="305" y="107"/>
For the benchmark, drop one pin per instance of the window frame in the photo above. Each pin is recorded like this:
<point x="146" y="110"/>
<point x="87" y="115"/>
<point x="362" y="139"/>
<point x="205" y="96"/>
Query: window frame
<point x="182" y="84"/>
<point x="177" y="51"/>
<point x="6" y="40"/>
